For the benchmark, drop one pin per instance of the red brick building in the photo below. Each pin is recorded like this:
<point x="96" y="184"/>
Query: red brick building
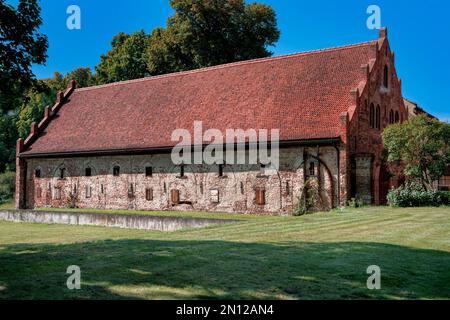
<point x="108" y="146"/>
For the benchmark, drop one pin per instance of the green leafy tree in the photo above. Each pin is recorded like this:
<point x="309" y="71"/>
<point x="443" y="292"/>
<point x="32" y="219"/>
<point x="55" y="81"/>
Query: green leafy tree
<point x="204" y="33"/>
<point x="126" y="60"/>
<point x="421" y="144"/>
<point x="8" y="136"/>
<point x="21" y="45"/>
<point x="82" y="75"/>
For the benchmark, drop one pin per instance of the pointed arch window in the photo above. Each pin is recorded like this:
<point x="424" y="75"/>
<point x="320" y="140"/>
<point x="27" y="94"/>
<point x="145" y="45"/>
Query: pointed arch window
<point x="377" y="117"/>
<point x="386" y="77"/>
<point x="391" y="116"/>
<point x="372" y="116"/>
<point x="397" y="117"/>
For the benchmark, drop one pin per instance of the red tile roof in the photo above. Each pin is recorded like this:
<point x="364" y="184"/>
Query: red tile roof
<point x="302" y="94"/>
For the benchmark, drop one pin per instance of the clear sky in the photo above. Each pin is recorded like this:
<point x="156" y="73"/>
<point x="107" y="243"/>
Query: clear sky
<point x="419" y="33"/>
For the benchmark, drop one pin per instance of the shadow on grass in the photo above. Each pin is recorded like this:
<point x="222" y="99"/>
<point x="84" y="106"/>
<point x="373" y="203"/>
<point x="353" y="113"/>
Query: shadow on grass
<point x="134" y="269"/>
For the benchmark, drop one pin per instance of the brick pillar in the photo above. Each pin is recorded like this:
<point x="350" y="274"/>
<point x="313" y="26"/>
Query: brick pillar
<point x="20" y="199"/>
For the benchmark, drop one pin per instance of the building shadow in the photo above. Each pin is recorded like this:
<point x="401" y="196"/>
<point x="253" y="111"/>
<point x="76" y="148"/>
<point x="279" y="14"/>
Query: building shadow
<point x="153" y="269"/>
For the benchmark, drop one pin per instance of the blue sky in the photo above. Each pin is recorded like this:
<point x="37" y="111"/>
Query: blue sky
<point x="419" y="33"/>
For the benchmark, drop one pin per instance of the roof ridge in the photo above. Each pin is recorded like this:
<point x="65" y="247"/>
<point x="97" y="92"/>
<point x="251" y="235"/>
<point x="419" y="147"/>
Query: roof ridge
<point x="229" y="65"/>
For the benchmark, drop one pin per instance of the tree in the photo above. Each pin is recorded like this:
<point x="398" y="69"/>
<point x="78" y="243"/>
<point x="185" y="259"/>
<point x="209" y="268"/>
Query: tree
<point x="421" y="144"/>
<point x="21" y="45"/>
<point x="126" y="60"/>
<point x="82" y="75"/>
<point x="204" y="33"/>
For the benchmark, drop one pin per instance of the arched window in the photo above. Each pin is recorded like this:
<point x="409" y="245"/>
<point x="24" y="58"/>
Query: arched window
<point x="372" y="116"/>
<point x="391" y="117"/>
<point x="116" y="171"/>
<point x="377" y="117"/>
<point x="397" y="117"/>
<point x="386" y="77"/>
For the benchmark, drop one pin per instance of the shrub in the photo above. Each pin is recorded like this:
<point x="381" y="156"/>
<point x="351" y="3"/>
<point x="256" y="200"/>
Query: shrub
<point x="7" y="186"/>
<point x="413" y="194"/>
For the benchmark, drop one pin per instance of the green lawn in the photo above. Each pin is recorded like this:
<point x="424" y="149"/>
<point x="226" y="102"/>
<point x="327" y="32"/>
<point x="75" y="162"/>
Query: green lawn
<point x="323" y="255"/>
<point x="7" y="205"/>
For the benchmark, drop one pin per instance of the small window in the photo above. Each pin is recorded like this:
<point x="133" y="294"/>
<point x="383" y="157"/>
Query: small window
<point x="386" y="77"/>
<point x="220" y="170"/>
<point x="175" y="196"/>
<point x="88" y="172"/>
<point x="165" y="187"/>
<point x="397" y="117"/>
<point x="372" y="116"/>
<point x="148" y="171"/>
<point x="131" y="190"/>
<point x="377" y="118"/>
<point x="88" y="192"/>
<point x="214" y="195"/>
<point x="37" y="173"/>
<point x="391" y="116"/>
<point x="149" y="194"/>
<point x="75" y="189"/>
<point x="102" y="189"/>
<point x="260" y="196"/>
<point x="312" y="168"/>
<point x="61" y="173"/>
<point x="57" y="193"/>
<point x="116" y="171"/>
<point x="242" y="187"/>
<point x="38" y="192"/>
<point x="288" y="187"/>
<point x="201" y="187"/>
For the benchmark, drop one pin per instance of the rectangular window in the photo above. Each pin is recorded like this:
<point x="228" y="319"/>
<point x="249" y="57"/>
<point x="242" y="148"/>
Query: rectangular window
<point x="38" y="192"/>
<point x="312" y="169"/>
<point x="288" y="187"/>
<point x="88" y="192"/>
<point x="102" y="189"/>
<point x="88" y="172"/>
<point x="148" y="171"/>
<point x="131" y="190"/>
<point x="149" y="194"/>
<point x="57" y="193"/>
<point x="220" y="170"/>
<point x="260" y="196"/>
<point x="175" y="196"/>
<point x="116" y="171"/>
<point x="61" y="173"/>
<point x="37" y="173"/>
<point x="214" y="195"/>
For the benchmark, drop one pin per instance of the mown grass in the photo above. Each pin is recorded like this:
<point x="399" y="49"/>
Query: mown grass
<point x="9" y="204"/>
<point x="319" y="256"/>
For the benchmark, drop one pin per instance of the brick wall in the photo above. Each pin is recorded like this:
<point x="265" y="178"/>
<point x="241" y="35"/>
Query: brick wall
<point x="201" y="188"/>
<point x="364" y="139"/>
